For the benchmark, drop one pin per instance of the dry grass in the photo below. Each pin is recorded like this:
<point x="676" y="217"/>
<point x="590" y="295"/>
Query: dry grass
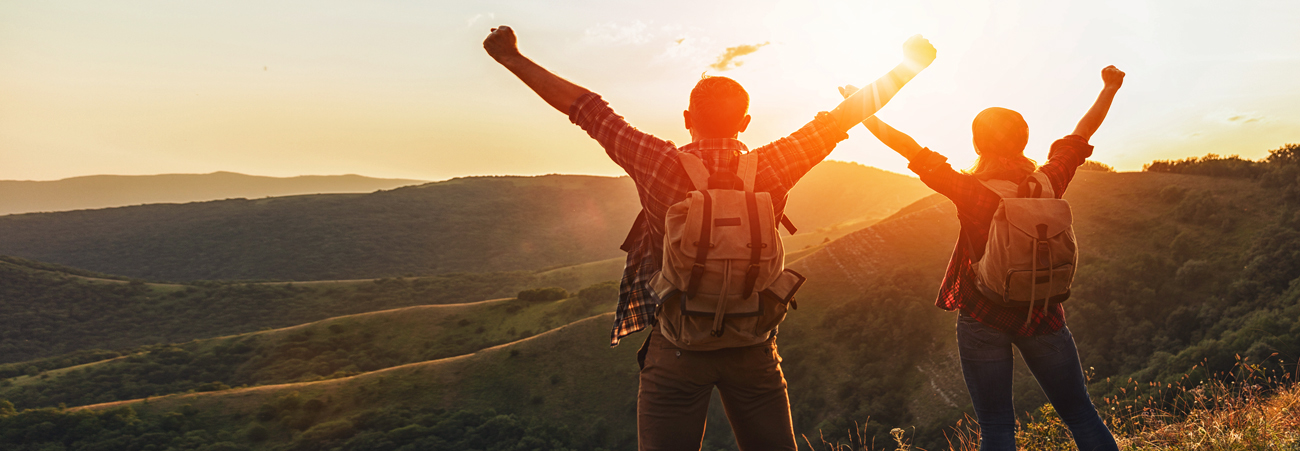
<point x="1256" y="411"/>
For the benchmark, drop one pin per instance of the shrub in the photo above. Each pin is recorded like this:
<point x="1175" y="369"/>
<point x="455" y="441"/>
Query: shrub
<point x="1090" y="165"/>
<point x="604" y="292"/>
<point x="1172" y="193"/>
<point x="543" y="294"/>
<point x="257" y="433"/>
<point x="1212" y="165"/>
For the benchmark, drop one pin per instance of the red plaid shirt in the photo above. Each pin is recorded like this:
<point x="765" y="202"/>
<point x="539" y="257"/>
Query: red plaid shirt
<point x="661" y="182"/>
<point x="976" y="205"/>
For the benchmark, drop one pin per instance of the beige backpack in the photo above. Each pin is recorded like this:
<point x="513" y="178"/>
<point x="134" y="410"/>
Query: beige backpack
<point x="1031" y="253"/>
<point x="723" y="282"/>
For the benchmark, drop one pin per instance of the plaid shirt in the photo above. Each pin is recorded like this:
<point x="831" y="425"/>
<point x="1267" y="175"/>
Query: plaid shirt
<point x="976" y="205"/>
<point x="661" y="182"/>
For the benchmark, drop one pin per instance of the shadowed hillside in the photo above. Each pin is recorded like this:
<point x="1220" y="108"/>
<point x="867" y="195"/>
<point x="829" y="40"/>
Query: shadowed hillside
<point x="1178" y="271"/>
<point x="462" y="225"/>
<point x="49" y="313"/>
<point x="476" y="224"/>
<point x="337" y="347"/>
<point x="103" y="191"/>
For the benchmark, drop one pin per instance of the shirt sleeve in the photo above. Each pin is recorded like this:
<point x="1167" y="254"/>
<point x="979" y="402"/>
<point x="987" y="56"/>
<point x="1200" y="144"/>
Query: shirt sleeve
<point x="641" y="154"/>
<point x="793" y="156"/>
<point x="971" y="197"/>
<point x="1063" y="161"/>
<point x="936" y="173"/>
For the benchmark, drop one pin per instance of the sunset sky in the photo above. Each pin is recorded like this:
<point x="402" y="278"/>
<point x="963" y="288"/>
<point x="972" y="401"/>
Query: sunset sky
<point x="404" y="89"/>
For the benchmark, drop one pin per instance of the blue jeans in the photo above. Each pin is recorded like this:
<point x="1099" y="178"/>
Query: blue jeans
<point x="986" y="362"/>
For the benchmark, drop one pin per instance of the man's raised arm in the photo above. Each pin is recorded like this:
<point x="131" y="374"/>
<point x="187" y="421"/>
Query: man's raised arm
<point x="556" y="91"/>
<point x="1113" y="79"/>
<point x="917" y="53"/>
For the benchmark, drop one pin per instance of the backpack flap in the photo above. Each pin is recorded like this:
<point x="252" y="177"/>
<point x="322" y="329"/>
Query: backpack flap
<point x="1037" y="217"/>
<point x="729" y="225"/>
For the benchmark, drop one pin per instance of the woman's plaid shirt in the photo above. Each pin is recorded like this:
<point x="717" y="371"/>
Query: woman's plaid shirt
<point x="661" y="182"/>
<point x="975" y="208"/>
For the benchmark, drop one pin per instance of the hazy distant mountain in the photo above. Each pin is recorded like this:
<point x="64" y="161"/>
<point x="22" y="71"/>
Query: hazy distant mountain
<point x="467" y="224"/>
<point x="102" y="191"/>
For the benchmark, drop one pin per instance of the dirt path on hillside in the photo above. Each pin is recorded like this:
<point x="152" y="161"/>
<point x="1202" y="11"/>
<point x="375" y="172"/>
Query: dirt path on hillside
<point x="367" y="313"/>
<point x="245" y="392"/>
<point x="19" y="380"/>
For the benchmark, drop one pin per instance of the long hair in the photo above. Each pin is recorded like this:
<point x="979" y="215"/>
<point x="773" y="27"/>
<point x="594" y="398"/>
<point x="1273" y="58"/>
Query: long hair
<point x="1000" y="136"/>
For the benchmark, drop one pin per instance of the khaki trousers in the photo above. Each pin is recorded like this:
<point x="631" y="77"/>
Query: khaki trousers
<point x="676" y="385"/>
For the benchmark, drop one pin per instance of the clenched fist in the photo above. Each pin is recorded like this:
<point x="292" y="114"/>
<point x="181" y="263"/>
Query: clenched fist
<point x="501" y="43"/>
<point x="1113" y="77"/>
<point x="917" y="49"/>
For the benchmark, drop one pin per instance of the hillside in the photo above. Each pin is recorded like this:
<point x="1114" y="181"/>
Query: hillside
<point x="477" y="224"/>
<point x="50" y="313"/>
<point x="332" y="348"/>
<point x="105" y="191"/>
<point x="1180" y="273"/>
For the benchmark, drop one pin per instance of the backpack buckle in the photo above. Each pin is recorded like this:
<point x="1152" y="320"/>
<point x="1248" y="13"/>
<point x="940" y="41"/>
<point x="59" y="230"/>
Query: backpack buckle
<point x="697" y="270"/>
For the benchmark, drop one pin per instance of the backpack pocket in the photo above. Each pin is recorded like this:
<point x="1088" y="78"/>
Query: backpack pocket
<point x="1053" y="285"/>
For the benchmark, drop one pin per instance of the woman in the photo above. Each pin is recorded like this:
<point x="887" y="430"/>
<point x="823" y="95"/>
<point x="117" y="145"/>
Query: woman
<point x="987" y="329"/>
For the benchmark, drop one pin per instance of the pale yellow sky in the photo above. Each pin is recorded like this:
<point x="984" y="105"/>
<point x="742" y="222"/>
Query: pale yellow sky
<point x="403" y="89"/>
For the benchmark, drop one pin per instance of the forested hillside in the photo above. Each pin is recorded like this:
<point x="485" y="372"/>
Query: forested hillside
<point x="1183" y="278"/>
<point x="476" y="224"/>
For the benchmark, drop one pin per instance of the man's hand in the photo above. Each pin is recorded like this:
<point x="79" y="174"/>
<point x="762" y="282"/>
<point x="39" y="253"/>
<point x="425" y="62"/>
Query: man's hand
<point x="501" y="43"/>
<point x="557" y="92"/>
<point x="918" y="50"/>
<point x="1113" y="77"/>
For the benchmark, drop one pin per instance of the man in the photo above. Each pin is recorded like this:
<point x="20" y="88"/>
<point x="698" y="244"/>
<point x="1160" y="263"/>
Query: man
<point x="675" y="384"/>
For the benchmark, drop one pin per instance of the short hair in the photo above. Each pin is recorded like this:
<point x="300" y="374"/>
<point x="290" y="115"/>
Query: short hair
<point x="717" y="105"/>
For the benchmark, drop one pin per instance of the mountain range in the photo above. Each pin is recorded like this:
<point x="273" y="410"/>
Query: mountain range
<point x="105" y="191"/>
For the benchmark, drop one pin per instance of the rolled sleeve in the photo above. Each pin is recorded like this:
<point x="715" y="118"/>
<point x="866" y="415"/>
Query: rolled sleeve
<point x="926" y="162"/>
<point x="1063" y="161"/>
<point x="1072" y="150"/>
<point x="640" y="154"/>
<point x="584" y="111"/>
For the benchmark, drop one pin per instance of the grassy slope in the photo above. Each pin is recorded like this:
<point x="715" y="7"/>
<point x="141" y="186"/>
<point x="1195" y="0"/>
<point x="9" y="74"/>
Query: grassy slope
<point x="524" y="377"/>
<point x="329" y="348"/>
<point x="476" y="224"/>
<point x="867" y="340"/>
<point x="886" y="276"/>
<point x="55" y="313"/>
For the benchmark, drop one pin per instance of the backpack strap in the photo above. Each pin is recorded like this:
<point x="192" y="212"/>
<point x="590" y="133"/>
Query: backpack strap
<point x="696" y="170"/>
<point x="755" y="245"/>
<point x="747" y="170"/>
<point x="702" y="246"/>
<point x="1036" y="186"/>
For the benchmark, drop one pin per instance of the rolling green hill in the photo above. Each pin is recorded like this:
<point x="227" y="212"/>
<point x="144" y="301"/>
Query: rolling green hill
<point x="104" y="191"/>
<point x="336" y="347"/>
<point x="477" y="224"/>
<point x="50" y="311"/>
<point x="1176" y="270"/>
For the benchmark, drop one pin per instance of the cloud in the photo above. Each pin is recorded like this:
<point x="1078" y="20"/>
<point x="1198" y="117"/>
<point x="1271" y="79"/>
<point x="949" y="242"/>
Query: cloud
<point x="1232" y="117"/>
<point x="614" y="34"/>
<point x="727" y="60"/>
<point x="1245" y="118"/>
<point x="473" y="20"/>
